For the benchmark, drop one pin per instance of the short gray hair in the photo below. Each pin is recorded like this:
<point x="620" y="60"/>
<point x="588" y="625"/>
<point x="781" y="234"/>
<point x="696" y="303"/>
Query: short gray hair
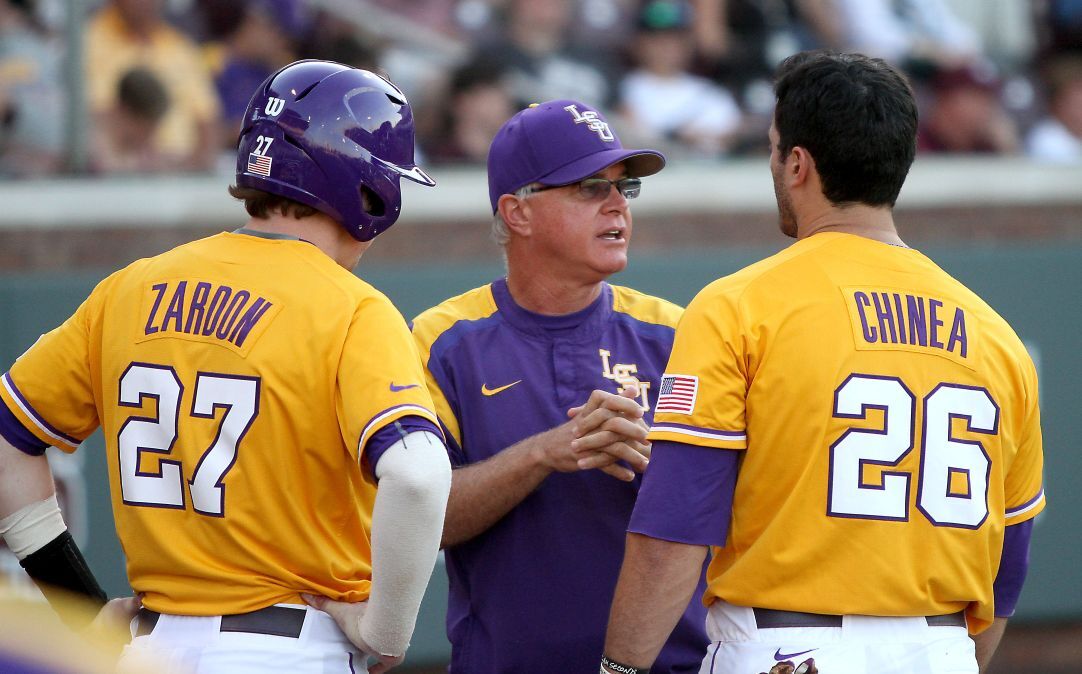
<point x="500" y="233"/>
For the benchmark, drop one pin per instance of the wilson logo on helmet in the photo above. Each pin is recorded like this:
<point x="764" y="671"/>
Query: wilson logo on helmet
<point x="275" y="106"/>
<point x="592" y="122"/>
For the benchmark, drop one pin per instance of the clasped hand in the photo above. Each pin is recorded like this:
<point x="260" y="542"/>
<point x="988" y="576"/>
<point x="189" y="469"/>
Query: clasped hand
<point x="608" y="428"/>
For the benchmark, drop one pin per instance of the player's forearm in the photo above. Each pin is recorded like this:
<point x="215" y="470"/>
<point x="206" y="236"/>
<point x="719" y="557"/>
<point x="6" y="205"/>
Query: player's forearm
<point x="32" y="526"/>
<point x="644" y="609"/>
<point x="414" y="479"/>
<point x="482" y="493"/>
<point x="987" y="642"/>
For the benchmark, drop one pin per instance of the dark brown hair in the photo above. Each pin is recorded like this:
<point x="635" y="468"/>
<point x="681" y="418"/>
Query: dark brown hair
<point x="260" y="204"/>
<point x="857" y="118"/>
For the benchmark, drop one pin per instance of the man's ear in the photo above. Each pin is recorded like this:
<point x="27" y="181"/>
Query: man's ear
<point x="515" y="212"/>
<point x="799" y="167"/>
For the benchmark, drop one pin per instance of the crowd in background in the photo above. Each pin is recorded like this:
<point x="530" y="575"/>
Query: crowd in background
<point x="166" y="81"/>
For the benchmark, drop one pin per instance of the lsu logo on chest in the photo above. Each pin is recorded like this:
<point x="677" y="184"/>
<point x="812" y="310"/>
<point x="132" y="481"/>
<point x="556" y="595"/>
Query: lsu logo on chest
<point x="625" y="374"/>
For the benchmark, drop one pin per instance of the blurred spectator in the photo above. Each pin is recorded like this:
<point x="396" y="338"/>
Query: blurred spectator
<point x="1059" y="25"/>
<point x="438" y="15"/>
<point x="477" y="20"/>
<point x="604" y="24"/>
<point x="966" y="114"/>
<point x="542" y="64"/>
<point x="254" y="39"/>
<point x="132" y="33"/>
<point x="31" y="96"/>
<point x="921" y="36"/>
<point x="345" y="47"/>
<point x="123" y="141"/>
<point x="732" y="37"/>
<point x="1005" y="29"/>
<point x="476" y="106"/>
<point x="739" y="42"/>
<point x="1058" y="137"/>
<point x="661" y="101"/>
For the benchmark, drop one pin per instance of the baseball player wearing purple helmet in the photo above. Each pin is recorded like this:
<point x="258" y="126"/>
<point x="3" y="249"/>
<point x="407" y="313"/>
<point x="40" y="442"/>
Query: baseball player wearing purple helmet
<point x="270" y="439"/>
<point x="540" y="503"/>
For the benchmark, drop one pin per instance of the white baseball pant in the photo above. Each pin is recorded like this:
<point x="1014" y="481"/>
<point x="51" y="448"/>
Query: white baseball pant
<point x="750" y="641"/>
<point x="284" y="638"/>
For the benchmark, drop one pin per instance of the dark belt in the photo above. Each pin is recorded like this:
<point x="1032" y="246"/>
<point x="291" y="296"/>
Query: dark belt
<point x="768" y="618"/>
<point x="278" y="621"/>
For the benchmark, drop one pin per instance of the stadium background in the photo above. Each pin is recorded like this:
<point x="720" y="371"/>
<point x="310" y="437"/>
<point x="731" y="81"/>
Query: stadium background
<point x="1009" y="227"/>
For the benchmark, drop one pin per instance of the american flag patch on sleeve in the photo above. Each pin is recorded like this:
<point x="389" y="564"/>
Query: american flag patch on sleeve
<point x="259" y="165"/>
<point x="677" y="394"/>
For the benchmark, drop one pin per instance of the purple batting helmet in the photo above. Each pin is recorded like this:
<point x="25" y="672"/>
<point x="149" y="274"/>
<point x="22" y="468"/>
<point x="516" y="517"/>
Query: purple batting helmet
<point x="333" y="137"/>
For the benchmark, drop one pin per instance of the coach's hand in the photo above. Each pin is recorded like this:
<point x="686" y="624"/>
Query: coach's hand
<point x="611" y="428"/>
<point x="564" y="448"/>
<point x="348" y="616"/>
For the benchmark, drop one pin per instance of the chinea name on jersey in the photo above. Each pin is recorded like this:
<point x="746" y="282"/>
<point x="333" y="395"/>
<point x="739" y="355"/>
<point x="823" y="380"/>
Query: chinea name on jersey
<point x="208" y="309"/>
<point x="887" y="317"/>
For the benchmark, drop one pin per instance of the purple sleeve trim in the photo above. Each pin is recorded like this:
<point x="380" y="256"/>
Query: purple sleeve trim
<point x="1013" y="566"/>
<point x="382" y="439"/>
<point x="15" y="433"/>
<point x="14" y="390"/>
<point x="686" y="494"/>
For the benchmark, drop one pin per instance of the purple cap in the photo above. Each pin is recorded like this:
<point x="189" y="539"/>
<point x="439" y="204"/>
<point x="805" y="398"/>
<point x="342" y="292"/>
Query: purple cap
<point x="559" y="143"/>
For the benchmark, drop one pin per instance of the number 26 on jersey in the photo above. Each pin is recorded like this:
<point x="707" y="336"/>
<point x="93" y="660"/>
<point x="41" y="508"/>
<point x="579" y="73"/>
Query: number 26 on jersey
<point x="953" y="473"/>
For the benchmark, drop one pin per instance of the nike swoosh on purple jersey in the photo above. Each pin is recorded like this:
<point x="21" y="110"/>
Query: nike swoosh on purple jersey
<point x="779" y="656"/>
<point x="403" y="388"/>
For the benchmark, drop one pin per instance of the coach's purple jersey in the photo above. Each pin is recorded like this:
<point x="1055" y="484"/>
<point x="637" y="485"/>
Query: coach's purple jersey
<point x="532" y="593"/>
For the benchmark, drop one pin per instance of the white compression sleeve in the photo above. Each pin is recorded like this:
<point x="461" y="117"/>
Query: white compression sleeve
<point x="407" y="524"/>
<point x="30" y="528"/>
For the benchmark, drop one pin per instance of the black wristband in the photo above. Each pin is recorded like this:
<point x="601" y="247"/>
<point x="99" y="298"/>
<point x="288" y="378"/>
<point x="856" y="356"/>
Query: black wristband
<point x="619" y="668"/>
<point x="60" y="564"/>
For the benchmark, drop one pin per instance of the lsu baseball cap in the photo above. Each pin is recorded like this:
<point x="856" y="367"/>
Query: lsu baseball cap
<point x="558" y="143"/>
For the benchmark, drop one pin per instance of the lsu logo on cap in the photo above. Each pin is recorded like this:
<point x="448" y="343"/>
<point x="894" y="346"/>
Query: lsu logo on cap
<point x="592" y="122"/>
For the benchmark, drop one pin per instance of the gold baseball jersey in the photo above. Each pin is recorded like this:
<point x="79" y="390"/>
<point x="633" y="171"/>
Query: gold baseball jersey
<point x="889" y="424"/>
<point x="237" y="380"/>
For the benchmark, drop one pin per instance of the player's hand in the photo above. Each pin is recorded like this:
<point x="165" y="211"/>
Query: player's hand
<point x="787" y="667"/>
<point x="348" y="616"/>
<point x="117" y="614"/>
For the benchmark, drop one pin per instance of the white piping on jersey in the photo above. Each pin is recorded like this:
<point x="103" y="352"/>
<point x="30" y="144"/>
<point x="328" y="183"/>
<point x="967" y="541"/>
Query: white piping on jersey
<point x="32" y="415"/>
<point x="1023" y="509"/>
<point x="699" y="433"/>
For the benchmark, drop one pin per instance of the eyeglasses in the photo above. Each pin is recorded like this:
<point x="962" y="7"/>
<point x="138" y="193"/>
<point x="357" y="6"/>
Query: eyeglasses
<point x="596" y="189"/>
